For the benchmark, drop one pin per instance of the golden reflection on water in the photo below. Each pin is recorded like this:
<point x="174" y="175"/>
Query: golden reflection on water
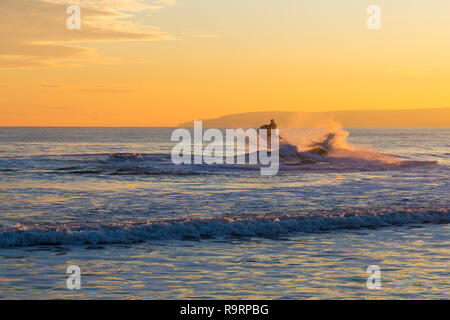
<point x="325" y="266"/>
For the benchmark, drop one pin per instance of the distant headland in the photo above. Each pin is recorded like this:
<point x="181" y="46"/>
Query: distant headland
<point x="420" y="118"/>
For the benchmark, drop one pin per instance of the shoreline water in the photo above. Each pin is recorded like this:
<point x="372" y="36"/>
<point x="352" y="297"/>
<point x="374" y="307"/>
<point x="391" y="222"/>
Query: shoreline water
<point x="225" y="233"/>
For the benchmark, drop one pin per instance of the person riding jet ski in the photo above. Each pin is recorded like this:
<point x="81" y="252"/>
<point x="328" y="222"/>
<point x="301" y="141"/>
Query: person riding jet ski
<point x="270" y="126"/>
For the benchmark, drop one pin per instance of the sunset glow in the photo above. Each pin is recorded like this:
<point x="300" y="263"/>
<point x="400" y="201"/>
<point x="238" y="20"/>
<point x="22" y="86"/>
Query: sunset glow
<point x="159" y="63"/>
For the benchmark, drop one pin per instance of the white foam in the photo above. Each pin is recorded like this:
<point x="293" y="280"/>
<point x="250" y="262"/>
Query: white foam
<point x="138" y="231"/>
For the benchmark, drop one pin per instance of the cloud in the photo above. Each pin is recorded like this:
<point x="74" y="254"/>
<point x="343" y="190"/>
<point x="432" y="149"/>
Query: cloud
<point x="34" y="32"/>
<point x="201" y="36"/>
<point x="416" y="74"/>
<point x="108" y="90"/>
<point x="50" y="85"/>
<point x="57" y="108"/>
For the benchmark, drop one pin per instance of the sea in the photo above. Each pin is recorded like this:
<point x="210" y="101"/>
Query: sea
<point x="111" y="202"/>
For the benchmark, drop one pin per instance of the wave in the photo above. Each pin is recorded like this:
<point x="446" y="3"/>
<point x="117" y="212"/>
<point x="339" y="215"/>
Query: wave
<point x="129" y="170"/>
<point x="324" y="149"/>
<point x="213" y="228"/>
<point x="315" y="149"/>
<point x="330" y="150"/>
<point x="291" y="159"/>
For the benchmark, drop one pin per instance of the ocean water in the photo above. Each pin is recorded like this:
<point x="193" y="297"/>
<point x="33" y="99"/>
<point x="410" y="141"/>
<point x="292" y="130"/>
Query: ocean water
<point x="110" y="201"/>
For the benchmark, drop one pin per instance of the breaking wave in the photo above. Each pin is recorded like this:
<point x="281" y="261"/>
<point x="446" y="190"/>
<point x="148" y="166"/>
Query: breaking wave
<point x="213" y="228"/>
<point x="319" y="149"/>
<point x="327" y="148"/>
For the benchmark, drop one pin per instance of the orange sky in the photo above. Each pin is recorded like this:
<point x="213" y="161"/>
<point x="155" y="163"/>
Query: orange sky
<point x="162" y="62"/>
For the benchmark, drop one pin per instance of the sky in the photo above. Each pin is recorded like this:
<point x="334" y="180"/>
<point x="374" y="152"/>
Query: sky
<point x="162" y="62"/>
